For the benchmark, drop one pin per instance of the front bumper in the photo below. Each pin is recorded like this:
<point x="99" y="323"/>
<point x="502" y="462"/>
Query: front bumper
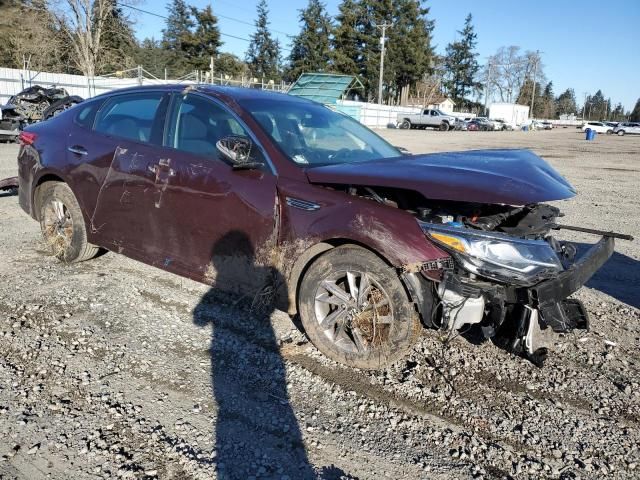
<point x="549" y="297"/>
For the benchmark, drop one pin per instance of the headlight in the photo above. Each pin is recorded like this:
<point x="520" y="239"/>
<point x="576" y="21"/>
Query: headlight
<point x="497" y="256"/>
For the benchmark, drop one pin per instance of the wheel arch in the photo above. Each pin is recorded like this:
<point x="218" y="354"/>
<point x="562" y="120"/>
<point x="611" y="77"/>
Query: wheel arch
<point x="35" y="193"/>
<point x="311" y="254"/>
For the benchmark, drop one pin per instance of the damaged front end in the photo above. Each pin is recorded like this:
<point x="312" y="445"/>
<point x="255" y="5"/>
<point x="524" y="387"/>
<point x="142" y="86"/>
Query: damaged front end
<point x="510" y="275"/>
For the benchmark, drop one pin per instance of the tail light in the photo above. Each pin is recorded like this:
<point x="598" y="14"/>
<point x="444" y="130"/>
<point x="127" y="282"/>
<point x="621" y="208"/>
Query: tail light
<point x="27" y="138"/>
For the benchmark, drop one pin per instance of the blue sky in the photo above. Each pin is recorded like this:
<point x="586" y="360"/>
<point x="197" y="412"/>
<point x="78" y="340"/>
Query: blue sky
<point x="585" y="45"/>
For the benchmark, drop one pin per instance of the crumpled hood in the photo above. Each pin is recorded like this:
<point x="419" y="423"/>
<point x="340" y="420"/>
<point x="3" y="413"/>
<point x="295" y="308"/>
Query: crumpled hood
<point x="512" y="177"/>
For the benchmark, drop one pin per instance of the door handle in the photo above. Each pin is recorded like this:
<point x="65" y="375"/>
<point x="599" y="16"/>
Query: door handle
<point x="78" y="150"/>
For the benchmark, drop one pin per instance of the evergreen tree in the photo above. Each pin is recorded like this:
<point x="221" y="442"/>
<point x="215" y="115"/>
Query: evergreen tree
<point x="177" y="37"/>
<point x="311" y="47"/>
<point x="409" y="54"/>
<point x="154" y="58"/>
<point x="617" y="115"/>
<point x="597" y="107"/>
<point x="263" y="55"/>
<point x="635" y="114"/>
<point x="347" y="46"/>
<point x="205" y="42"/>
<point x="462" y="65"/>
<point x="548" y="102"/>
<point x="374" y="14"/>
<point x="566" y="103"/>
<point x="229" y="64"/>
<point x="118" y="41"/>
<point x="407" y="38"/>
<point x="524" y="98"/>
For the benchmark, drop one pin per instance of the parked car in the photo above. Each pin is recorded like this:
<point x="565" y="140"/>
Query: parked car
<point x="284" y="200"/>
<point x="598" y="127"/>
<point x="489" y="124"/>
<point x="500" y="124"/>
<point x="547" y="125"/>
<point x="460" y="124"/>
<point x="479" y="124"/>
<point x="431" y="118"/>
<point x="626" y="128"/>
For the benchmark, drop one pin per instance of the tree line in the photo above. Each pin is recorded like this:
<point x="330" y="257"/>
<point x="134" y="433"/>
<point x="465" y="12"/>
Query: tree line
<point x="97" y="37"/>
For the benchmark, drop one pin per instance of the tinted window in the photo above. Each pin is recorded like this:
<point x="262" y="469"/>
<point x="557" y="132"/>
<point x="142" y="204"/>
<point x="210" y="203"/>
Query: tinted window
<point x="87" y="113"/>
<point x="198" y="124"/>
<point x="312" y="134"/>
<point x="129" y="116"/>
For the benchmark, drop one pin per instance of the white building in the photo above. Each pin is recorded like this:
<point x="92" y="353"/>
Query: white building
<point x="443" y="104"/>
<point x="511" y="113"/>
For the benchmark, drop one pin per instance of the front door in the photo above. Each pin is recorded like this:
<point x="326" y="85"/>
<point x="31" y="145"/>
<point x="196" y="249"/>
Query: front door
<point x="213" y="221"/>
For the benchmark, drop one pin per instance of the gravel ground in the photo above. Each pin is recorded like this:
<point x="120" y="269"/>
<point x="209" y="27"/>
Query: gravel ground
<point x="113" y="369"/>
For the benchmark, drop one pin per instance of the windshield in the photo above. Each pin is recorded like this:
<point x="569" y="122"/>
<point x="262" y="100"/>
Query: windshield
<point x="312" y="134"/>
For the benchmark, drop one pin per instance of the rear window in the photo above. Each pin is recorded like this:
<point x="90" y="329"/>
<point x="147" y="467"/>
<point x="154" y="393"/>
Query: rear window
<point x="130" y="116"/>
<point x="87" y="113"/>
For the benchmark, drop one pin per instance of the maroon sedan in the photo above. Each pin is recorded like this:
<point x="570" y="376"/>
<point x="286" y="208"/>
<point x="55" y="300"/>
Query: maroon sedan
<point x="290" y="201"/>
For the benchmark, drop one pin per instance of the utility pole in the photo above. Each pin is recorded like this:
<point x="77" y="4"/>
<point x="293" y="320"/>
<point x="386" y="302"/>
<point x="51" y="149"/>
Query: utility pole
<point x="535" y="72"/>
<point x="384" y="27"/>
<point x="486" y="89"/>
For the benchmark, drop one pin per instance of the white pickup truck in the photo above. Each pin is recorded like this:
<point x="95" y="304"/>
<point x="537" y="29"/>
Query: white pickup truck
<point x="427" y="118"/>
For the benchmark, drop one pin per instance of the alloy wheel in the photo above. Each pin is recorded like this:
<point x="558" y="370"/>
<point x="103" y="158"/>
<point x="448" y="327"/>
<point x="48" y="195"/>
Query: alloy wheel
<point x="58" y="226"/>
<point x="354" y="312"/>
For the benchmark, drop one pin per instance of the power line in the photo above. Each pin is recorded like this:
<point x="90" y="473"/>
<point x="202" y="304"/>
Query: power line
<point x="221" y="16"/>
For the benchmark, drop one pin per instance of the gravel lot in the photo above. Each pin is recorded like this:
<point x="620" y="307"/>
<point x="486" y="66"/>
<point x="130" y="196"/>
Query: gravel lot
<point x="113" y="369"/>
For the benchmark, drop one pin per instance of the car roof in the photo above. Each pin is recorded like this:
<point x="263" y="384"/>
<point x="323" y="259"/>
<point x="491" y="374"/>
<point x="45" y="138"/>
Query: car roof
<point x="236" y="93"/>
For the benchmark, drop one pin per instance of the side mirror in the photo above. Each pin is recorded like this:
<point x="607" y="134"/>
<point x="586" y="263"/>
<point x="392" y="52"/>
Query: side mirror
<point x="237" y="149"/>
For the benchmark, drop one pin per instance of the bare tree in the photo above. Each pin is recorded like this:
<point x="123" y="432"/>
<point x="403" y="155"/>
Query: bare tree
<point x="83" y="22"/>
<point x="507" y="71"/>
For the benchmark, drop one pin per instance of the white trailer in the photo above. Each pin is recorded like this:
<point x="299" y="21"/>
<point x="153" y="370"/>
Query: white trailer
<point x="511" y="113"/>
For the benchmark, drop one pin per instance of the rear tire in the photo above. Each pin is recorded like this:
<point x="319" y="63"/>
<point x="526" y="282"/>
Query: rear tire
<point x="355" y="310"/>
<point x="62" y="223"/>
<point x="405" y="125"/>
<point x="621" y="133"/>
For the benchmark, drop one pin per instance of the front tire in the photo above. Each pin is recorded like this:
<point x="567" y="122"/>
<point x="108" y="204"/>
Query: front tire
<point x="355" y="310"/>
<point x="444" y="126"/>
<point x="621" y="133"/>
<point x="62" y="224"/>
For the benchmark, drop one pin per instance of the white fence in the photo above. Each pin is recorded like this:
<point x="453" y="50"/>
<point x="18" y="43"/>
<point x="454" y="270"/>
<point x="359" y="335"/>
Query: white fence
<point x="13" y="81"/>
<point x="372" y="114"/>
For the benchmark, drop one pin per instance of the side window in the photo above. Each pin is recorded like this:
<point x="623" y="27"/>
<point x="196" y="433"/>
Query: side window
<point x="426" y="112"/>
<point x="87" y="114"/>
<point x="434" y="113"/>
<point x="198" y="124"/>
<point x="130" y="116"/>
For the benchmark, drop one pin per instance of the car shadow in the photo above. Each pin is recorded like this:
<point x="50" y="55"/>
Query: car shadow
<point x="618" y="278"/>
<point x="256" y="431"/>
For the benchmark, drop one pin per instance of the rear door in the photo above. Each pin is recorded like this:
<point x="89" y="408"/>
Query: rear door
<point x="123" y="152"/>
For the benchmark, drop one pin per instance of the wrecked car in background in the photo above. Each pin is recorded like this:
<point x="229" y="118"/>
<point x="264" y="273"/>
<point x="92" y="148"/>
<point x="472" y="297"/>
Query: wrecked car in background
<point x="31" y="105"/>
<point x="288" y="200"/>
